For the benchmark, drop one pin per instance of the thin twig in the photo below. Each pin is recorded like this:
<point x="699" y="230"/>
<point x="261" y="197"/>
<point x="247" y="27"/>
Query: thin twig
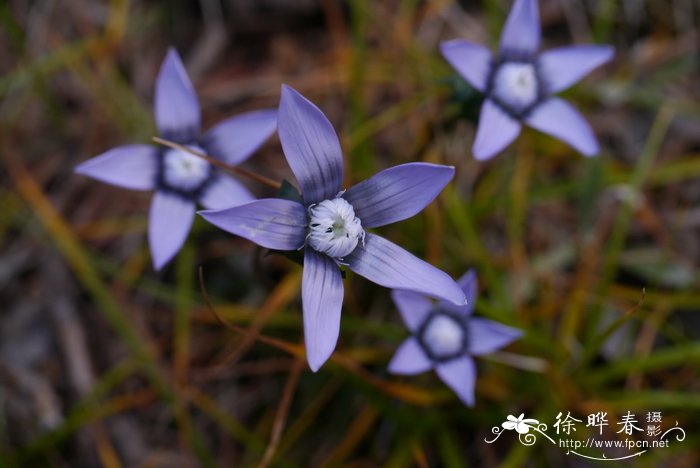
<point x="220" y="164"/>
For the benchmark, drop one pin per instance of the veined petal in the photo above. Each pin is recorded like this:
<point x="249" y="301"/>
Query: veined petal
<point x="397" y="193"/>
<point x="225" y="192"/>
<point x="235" y="139"/>
<point x="409" y="359"/>
<point x="472" y="61"/>
<point x="486" y="336"/>
<point x="496" y="130"/>
<point x="177" y="111"/>
<point x="271" y="222"/>
<point x="129" y="166"/>
<point x="562" y="67"/>
<point x="414" y="307"/>
<point x="169" y="222"/>
<point x="322" y="300"/>
<point x="310" y="145"/>
<point x="559" y="119"/>
<point x="521" y="34"/>
<point x="460" y="375"/>
<point x="388" y="265"/>
<point x="469" y="285"/>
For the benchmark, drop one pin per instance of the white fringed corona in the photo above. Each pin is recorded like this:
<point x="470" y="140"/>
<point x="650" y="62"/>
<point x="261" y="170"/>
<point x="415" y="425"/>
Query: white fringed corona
<point x="184" y="171"/>
<point x="333" y="228"/>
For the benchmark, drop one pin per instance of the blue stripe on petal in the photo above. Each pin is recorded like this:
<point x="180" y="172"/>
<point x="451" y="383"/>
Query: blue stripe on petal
<point x="388" y="265"/>
<point x="271" y="222"/>
<point x="130" y="166"/>
<point x="322" y="300"/>
<point x="310" y="145"/>
<point x="397" y="193"/>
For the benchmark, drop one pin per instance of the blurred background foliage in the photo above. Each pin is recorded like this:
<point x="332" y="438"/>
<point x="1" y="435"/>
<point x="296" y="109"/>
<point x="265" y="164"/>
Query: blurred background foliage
<point x="104" y="362"/>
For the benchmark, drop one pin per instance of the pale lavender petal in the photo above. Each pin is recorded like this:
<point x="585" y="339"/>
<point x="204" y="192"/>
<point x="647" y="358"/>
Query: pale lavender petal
<point x="274" y="223"/>
<point x="130" y="166"/>
<point x="469" y="285"/>
<point x="562" y="67"/>
<point x="472" y="61"/>
<point x="496" y="130"/>
<point x="177" y="111"/>
<point x="521" y="34"/>
<point x="409" y="359"/>
<point x="559" y="119"/>
<point x="235" y="139"/>
<point x="310" y="145"/>
<point x="397" y="193"/>
<point x="414" y="307"/>
<point x="460" y="375"/>
<point x="486" y="336"/>
<point x="225" y="192"/>
<point x="169" y="222"/>
<point x="322" y="299"/>
<point x="388" y="265"/>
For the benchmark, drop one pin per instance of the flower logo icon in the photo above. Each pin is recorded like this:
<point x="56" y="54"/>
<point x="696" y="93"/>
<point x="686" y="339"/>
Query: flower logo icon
<point x="521" y="425"/>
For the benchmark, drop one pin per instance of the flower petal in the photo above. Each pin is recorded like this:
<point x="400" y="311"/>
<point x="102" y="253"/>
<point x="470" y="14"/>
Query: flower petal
<point x="388" y="265"/>
<point x="322" y="299"/>
<point x="235" y="139"/>
<point x="397" y="193"/>
<point x="460" y="375"/>
<point x="472" y="61"/>
<point x="486" y="336"/>
<point x="169" y="222"/>
<point x="521" y="34"/>
<point x="409" y="359"/>
<point x="414" y="307"/>
<point x="225" y="192"/>
<point x="177" y="111"/>
<point x="271" y="222"/>
<point x="562" y="67"/>
<point x="310" y="145"/>
<point x="508" y="425"/>
<point x="469" y="285"/>
<point x="559" y="119"/>
<point x="496" y="130"/>
<point x="130" y="166"/>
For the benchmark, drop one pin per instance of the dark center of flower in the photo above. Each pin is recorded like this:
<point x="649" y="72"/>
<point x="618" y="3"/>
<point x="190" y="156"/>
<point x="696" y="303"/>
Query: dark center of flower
<point x="443" y="335"/>
<point x="333" y="228"/>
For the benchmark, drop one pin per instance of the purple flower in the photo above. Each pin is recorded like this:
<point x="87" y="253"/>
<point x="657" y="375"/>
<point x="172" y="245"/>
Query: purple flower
<point x="519" y="83"/>
<point x="181" y="180"/>
<point x="329" y="223"/>
<point x="446" y="336"/>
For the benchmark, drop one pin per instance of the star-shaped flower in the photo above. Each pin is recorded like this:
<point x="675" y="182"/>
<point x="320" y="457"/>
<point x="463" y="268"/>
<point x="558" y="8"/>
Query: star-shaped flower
<point x="445" y="336"/>
<point x="519" y="83"/>
<point x="182" y="180"/>
<point x="329" y="223"/>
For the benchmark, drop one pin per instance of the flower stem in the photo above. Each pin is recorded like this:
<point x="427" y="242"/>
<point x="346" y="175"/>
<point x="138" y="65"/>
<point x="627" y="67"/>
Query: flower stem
<point x="220" y="164"/>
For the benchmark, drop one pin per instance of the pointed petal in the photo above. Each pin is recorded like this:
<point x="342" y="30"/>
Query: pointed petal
<point x="388" y="265"/>
<point x="414" y="307"/>
<point x="496" y="130"/>
<point x="177" y="111"/>
<point x="469" y="285"/>
<point x="397" y="193"/>
<point x="169" y="222"/>
<point x="486" y="336"/>
<point x="409" y="359"/>
<point x="322" y="299"/>
<point x="225" y="192"/>
<point x="130" y="166"/>
<point x="559" y="119"/>
<point x="235" y="139"/>
<point x="271" y="222"/>
<point x="562" y="67"/>
<point x="521" y="34"/>
<point x="472" y="61"/>
<point x="460" y="375"/>
<point x="311" y="146"/>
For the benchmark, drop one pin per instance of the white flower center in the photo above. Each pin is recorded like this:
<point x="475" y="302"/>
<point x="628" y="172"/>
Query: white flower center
<point x="333" y="228"/>
<point x="515" y="85"/>
<point x="443" y="336"/>
<point x="184" y="171"/>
